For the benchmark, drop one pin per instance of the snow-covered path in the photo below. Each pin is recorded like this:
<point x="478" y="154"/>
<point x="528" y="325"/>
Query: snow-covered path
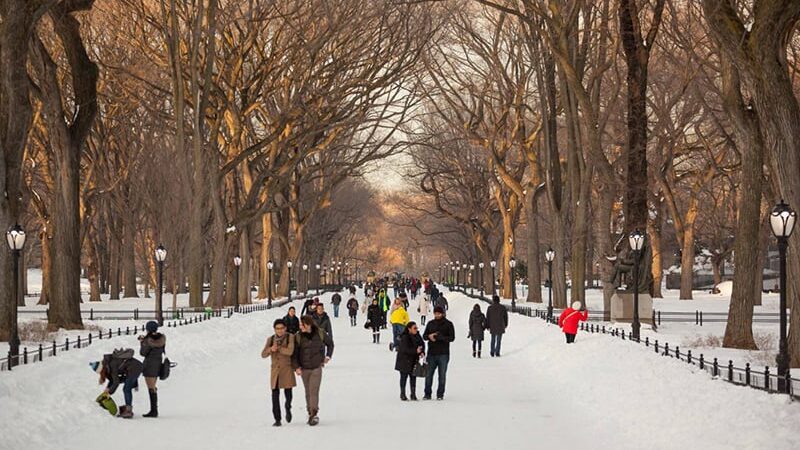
<point x="539" y="394"/>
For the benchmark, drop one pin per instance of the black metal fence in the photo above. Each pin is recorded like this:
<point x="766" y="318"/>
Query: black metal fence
<point x="745" y="376"/>
<point x="177" y="318"/>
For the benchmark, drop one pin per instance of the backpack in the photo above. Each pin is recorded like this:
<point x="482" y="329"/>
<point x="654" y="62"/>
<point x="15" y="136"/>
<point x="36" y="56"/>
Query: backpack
<point x="122" y="353"/>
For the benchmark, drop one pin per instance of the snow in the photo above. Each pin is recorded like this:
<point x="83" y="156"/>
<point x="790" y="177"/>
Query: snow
<point x="540" y="394"/>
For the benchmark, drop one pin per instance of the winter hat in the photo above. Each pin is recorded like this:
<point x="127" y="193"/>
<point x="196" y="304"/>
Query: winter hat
<point x="96" y="366"/>
<point x="403" y="295"/>
<point x="576" y="305"/>
<point x="439" y="310"/>
<point x="496" y="298"/>
<point x="151" y="326"/>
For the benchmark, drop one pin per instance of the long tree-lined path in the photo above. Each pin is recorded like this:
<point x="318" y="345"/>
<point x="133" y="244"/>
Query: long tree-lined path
<point x="540" y="394"/>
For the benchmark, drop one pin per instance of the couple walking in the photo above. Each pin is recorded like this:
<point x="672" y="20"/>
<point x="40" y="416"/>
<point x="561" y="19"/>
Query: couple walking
<point x="439" y="333"/>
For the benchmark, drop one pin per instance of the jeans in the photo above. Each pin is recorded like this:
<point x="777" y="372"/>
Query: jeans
<point x="127" y="389"/>
<point x="413" y="382"/>
<point x="570" y="338"/>
<point x="312" y="379"/>
<point x="436" y="362"/>
<point x="422" y="320"/>
<point x="476" y="345"/>
<point x="397" y="330"/>
<point x="335" y="310"/>
<point x="352" y="321"/>
<point x="494" y="349"/>
<point x="276" y="402"/>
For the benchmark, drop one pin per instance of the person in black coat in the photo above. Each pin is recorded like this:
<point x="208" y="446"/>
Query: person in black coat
<point x="375" y="319"/>
<point x="308" y="307"/>
<point x="322" y="319"/>
<point x="120" y="368"/>
<point x="496" y="322"/>
<point x="442" y="302"/>
<point x="477" y="323"/>
<point x="410" y="349"/>
<point x="292" y="321"/>
<point x="152" y="348"/>
<point x="439" y="333"/>
<point x="352" y="309"/>
<point x="336" y="300"/>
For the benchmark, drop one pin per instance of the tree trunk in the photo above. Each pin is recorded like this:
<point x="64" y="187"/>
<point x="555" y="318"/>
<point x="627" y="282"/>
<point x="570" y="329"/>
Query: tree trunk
<point x="265" y="256"/>
<point x="47" y="265"/>
<point x="113" y="271"/>
<point x="534" y="253"/>
<point x="654" y="231"/>
<point x="128" y="255"/>
<point x="687" y="249"/>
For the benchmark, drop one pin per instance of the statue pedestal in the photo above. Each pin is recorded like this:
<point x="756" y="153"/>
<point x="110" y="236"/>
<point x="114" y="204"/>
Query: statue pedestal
<point x="622" y="307"/>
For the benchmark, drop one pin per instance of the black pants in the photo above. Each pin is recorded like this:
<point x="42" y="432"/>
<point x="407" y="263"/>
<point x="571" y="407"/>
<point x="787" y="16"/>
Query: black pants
<point x="352" y="321"/>
<point x="422" y="320"/>
<point x="412" y="380"/>
<point x="476" y="345"/>
<point x="376" y="334"/>
<point x="570" y="338"/>
<point x="276" y="402"/>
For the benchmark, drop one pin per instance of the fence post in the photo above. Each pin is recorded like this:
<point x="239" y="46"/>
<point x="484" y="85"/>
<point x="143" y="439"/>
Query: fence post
<point x="689" y="356"/>
<point x="110" y="333"/>
<point x="25" y="355"/>
<point x="656" y="345"/>
<point x="666" y="349"/>
<point x="730" y="370"/>
<point x="66" y="344"/>
<point x="91" y="313"/>
<point x="41" y="352"/>
<point x="647" y="341"/>
<point x="79" y="342"/>
<point x="136" y="314"/>
<point x="8" y="358"/>
<point x="119" y="331"/>
<point x="54" y="347"/>
<point x="696" y="317"/>
<point x="716" y="368"/>
<point x="766" y="377"/>
<point x="678" y="351"/>
<point x="702" y="362"/>
<point x="701" y="318"/>
<point x="747" y="374"/>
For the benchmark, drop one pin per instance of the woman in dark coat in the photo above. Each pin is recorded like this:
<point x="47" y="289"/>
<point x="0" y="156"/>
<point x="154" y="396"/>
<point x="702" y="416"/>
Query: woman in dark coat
<point x="410" y="349"/>
<point x="292" y="321"/>
<point x="152" y="347"/>
<point x="375" y="318"/>
<point x="120" y="368"/>
<point x="477" y="323"/>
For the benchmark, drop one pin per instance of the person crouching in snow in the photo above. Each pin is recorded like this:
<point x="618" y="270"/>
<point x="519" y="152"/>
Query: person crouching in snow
<point x="569" y="319"/>
<point x="399" y="319"/>
<point x="120" y="367"/>
<point x="280" y="346"/>
<point x="152" y="346"/>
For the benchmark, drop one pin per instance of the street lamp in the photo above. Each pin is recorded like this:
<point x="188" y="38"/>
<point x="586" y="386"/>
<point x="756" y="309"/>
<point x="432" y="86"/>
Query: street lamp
<point x="289" y="266"/>
<point x="270" y="265"/>
<point x="458" y="268"/>
<point x="319" y="277"/>
<point x="15" y="237"/>
<point x="305" y="269"/>
<point x="636" y="241"/>
<point x="782" y="221"/>
<point x="550" y="255"/>
<point x="339" y="272"/>
<point x="346" y="273"/>
<point x="161" y="256"/>
<point x="481" y="265"/>
<point x="464" y="278"/>
<point x="237" y="262"/>
<point x="512" y="263"/>
<point x="472" y="279"/>
<point x="494" y="276"/>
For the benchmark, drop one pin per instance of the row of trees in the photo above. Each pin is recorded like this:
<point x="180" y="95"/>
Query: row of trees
<point x="215" y="127"/>
<point x="568" y="123"/>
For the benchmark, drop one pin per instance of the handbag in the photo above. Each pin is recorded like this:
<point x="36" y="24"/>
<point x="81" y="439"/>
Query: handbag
<point x="420" y="369"/>
<point x="367" y="325"/>
<point x="166" y="368"/>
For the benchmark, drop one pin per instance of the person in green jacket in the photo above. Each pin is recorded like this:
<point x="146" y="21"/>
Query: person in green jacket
<point x="385" y="304"/>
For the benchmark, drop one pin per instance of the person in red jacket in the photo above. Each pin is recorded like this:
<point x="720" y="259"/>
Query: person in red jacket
<point x="569" y="319"/>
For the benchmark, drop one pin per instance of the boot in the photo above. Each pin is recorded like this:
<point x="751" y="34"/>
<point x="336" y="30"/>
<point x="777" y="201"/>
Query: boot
<point x="288" y="412"/>
<point x="413" y="396"/>
<point x="153" y="404"/>
<point x="126" y="412"/>
<point x="474" y="354"/>
<point x="313" y="420"/>
<point x="277" y="423"/>
<point x="403" y="397"/>
<point x="479" y="355"/>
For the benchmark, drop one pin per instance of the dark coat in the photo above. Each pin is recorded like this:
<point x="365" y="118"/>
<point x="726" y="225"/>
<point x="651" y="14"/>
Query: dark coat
<point x="307" y="307"/>
<point x="442" y="302"/>
<point x="375" y="315"/>
<point x="352" y="307"/>
<point x="407" y="354"/>
<point x="496" y="318"/>
<point x="446" y="335"/>
<point x="121" y="369"/>
<point x="152" y="348"/>
<point x="324" y="322"/>
<point x="292" y="324"/>
<point x="311" y="349"/>
<point x="336" y="299"/>
<point x="477" y="323"/>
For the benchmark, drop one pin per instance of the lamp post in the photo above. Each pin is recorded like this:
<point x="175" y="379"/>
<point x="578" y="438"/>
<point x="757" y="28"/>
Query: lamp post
<point x="289" y="266"/>
<point x="452" y="275"/>
<point x="161" y="256"/>
<point x="305" y="269"/>
<point x="464" y="278"/>
<point x="782" y="221"/>
<point x="237" y="262"/>
<point x="636" y="241"/>
<point x="494" y="276"/>
<point x="472" y="279"/>
<point x="270" y="265"/>
<point x="332" y="276"/>
<point x="347" y="273"/>
<point x="16" y="242"/>
<point x="458" y="268"/>
<point x="319" y="277"/>
<point x="339" y="272"/>
<point x="550" y="255"/>
<point x="512" y="263"/>
<point x="481" y="265"/>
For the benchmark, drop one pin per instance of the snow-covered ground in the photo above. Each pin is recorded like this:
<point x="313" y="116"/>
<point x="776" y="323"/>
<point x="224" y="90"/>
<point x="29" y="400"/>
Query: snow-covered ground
<point x="540" y="394"/>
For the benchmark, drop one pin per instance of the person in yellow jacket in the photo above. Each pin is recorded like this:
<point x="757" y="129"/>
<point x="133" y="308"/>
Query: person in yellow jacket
<point x="398" y="319"/>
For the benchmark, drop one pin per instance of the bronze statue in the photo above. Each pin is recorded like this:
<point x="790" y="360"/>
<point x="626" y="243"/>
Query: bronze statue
<point x="623" y="267"/>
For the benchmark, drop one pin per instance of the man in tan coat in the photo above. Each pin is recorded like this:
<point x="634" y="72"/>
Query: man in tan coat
<point x="280" y="347"/>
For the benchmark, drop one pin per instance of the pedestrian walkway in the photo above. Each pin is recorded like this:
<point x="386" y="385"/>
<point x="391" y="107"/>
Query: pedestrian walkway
<point x="539" y="394"/>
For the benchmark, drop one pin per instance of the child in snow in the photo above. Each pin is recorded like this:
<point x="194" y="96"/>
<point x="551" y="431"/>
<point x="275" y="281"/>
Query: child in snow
<point x="120" y="367"/>
<point x="477" y="323"/>
<point x="569" y="319"/>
